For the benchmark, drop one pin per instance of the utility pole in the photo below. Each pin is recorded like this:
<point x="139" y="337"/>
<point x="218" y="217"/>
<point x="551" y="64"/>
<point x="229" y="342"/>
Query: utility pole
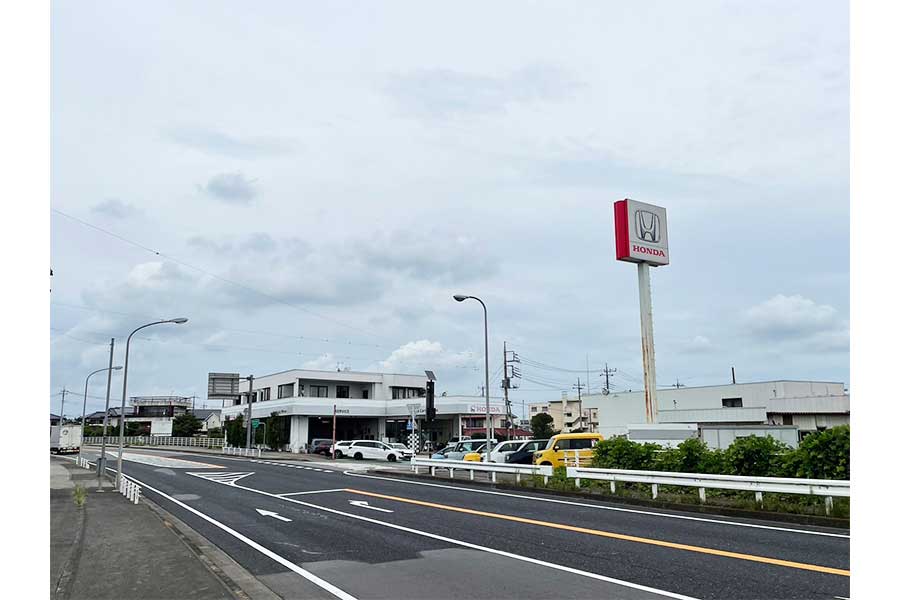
<point x="678" y="384"/>
<point x="607" y="372"/>
<point x="578" y="387"/>
<point x="509" y="373"/>
<point x="249" y="412"/>
<point x="62" y="406"/>
<point x="732" y="376"/>
<point x="506" y="391"/>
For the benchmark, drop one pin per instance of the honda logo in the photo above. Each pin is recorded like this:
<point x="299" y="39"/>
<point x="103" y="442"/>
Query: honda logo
<point x="647" y="226"/>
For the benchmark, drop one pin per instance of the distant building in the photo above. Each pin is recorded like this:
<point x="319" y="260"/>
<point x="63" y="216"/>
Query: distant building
<point x="373" y="406"/>
<point x="54" y="419"/>
<point x="722" y="412"/>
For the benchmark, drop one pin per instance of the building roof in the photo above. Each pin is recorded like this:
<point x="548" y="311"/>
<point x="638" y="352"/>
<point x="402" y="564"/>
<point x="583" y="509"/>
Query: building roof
<point x="205" y="413"/>
<point x="365" y="373"/>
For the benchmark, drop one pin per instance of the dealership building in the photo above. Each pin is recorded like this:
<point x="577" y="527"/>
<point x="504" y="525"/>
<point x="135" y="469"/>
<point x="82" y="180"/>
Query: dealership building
<point x="786" y="409"/>
<point x="371" y="406"/>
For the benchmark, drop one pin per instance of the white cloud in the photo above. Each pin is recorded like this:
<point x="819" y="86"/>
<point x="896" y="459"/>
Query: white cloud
<point x="231" y="188"/>
<point x="789" y="317"/>
<point x="425" y="354"/>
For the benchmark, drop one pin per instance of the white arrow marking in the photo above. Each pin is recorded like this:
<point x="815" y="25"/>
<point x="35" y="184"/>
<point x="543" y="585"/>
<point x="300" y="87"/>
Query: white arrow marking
<point x="364" y="504"/>
<point x="269" y="513"/>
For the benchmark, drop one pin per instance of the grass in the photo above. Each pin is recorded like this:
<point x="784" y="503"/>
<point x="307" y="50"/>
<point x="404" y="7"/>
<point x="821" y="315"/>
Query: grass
<point x="79" y="495"/>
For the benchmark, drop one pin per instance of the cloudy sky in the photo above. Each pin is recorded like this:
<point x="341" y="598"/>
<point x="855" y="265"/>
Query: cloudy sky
<point x="311" y="183"/>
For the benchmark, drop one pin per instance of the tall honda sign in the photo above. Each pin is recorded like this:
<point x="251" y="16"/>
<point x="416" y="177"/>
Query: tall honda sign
<point x="643" y="238"/>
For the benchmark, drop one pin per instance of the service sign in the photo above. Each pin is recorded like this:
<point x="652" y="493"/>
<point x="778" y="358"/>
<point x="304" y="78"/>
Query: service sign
<point x="641" y="234"/>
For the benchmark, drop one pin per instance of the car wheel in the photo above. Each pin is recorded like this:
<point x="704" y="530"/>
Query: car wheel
<point x="546" y="464"/>
<point x="358" y="456"/>
<point x="338" y="454"/>
<point x="392" y="458"/>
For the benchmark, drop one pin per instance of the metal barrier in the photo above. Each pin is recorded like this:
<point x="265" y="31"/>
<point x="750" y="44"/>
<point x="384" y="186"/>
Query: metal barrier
<point x="238" y="451"/>
<point x="829" y="488"/>
<point x="472" y="467"/>
<point x="130" y="490"/>
<point x="158" y="440"/>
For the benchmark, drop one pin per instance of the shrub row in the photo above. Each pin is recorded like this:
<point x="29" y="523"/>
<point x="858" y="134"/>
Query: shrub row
<point x="821" y="455"/>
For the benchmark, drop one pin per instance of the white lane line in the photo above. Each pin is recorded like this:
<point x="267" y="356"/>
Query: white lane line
<point x="336" y="591"/>
<point x="442" y="538"/>
<point x="601" y="507"/>
<point x="310" y="492"/>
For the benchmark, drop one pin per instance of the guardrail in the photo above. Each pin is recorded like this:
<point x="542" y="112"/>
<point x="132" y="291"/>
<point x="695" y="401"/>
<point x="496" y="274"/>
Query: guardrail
<point x="473" y="467"/>
<point x="238" y="451"/>
<point x="828" y="488"/>
<point x="127" y="488"/>
<point x="159" y="440"/>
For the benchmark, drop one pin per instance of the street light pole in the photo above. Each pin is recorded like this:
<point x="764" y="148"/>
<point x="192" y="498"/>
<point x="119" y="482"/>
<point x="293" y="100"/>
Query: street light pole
<point x="249" y="410"/>
<point x="101" y="462"/>
<point x="177" y="321"/>
<point x="84" y="404"/>
<point x="489" y="422"/>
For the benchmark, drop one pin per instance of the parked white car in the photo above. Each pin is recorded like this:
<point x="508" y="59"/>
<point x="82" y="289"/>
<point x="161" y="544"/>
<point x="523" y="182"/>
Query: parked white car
<point x="463" y="448"/>
<point x="362" y="449"/>
<point x="403" y="449"/>
<point x="339" y="450"/>
<point x="504" y="449"/>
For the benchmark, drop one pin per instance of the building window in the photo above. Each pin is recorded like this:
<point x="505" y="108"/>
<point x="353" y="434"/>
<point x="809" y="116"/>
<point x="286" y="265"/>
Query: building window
<point x="286" y="390"/>
<point x="365" y="394"/>
<point x="318" y="391"/>
<point x="301" y="390"/>
<point x="787" y="420"/>
<point x="534" y="409"/>
<point x="732" y="402"/>
<point x="343" y="391"/>
<point x="544" y="409"/>
<point x="265" y="394"/>
<point x="398" y="393"/>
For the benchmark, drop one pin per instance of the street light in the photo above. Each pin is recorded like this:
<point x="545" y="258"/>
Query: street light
<point x="84" y="404"/>
<point x="178" y="321"/>
<point x="489" y="423"/>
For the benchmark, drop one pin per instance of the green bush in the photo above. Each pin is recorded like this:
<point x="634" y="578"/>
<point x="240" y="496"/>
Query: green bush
<point x="622" y="453"/>
<point x="821" y="455"/>
<point x="690" y="456"/>
<point x="755" y="456"/>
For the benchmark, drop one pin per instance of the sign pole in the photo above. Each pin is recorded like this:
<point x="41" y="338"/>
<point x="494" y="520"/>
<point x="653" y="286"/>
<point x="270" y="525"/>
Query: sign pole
<point x="649" y="354"/>
<point x="333" y="431"/>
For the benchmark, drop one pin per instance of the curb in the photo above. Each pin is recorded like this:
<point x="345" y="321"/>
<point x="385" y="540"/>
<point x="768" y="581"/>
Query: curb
<point x="759" y="515"/>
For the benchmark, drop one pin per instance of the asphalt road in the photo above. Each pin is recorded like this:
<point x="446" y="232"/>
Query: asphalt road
<point x="337" y="533"/>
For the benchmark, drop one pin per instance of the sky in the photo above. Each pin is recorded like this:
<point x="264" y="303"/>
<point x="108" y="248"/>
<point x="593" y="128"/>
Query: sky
<point x="310" y="183"/>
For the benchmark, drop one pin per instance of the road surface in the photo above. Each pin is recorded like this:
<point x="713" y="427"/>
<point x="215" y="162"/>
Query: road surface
<point x="325" y="530"/>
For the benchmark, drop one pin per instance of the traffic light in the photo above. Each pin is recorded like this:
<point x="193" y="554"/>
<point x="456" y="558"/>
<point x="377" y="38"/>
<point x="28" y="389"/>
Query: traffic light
<point x="429" y="401"/>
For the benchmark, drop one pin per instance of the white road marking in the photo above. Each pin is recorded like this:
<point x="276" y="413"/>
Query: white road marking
<point x="224" y="478"/>
<point x="364" y="504"/>
<point x="600" y="507"/>
<point x="332" y="589"/>
<point x="311" y="492"/>
<point x="274" y="515"/>
<point x="464" y="544"/>
<point x="162" y="461"/>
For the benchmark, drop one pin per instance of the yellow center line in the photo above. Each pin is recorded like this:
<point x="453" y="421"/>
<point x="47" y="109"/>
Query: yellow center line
<point x="617" y="536"/>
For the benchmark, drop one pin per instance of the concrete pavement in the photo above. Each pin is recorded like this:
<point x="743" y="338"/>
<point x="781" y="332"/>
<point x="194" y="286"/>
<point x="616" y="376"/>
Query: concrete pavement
<point x="373" y="536"/>
<point x="111" y="548"/>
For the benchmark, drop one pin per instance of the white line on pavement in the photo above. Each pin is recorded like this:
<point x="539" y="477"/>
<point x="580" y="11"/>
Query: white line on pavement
<point x="442" y="538"/>
<point x="598" y="506"/>
<point x="256" y="546"/>
<point x="311" y="492"/>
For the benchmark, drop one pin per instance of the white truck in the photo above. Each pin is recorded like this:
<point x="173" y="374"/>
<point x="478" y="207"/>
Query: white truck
<point x="66" y="438"/>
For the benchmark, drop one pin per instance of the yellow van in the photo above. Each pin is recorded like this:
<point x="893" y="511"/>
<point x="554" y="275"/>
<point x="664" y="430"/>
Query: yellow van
<point x="565" y="445"/>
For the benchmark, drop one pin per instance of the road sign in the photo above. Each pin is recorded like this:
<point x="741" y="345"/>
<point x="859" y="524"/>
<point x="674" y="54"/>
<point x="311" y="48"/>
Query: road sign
<point x="409" y="425"/>
<point x="223" y="385"/>
<point x="255" y="423"/>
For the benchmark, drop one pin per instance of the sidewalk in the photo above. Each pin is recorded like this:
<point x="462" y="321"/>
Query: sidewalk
<point x="111" y="548"/>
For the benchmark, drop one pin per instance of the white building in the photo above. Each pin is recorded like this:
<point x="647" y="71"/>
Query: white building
<point x="363" y="405"/>
<point x="806" y="405"/>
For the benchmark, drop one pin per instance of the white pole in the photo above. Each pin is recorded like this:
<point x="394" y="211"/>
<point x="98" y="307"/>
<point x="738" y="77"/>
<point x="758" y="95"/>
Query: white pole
<point x="647" y="350"/>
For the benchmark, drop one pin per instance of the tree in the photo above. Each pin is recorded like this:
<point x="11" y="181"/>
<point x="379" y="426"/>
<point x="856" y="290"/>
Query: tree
<point x="542" y="426"/>
<point x="277" y="431"/>
<point x="235" y="431"/>
<point x="186" y="425"/>
<point x="621" y="453"/>
<point x="755" y="456"/>
<point x="822" y="455"/>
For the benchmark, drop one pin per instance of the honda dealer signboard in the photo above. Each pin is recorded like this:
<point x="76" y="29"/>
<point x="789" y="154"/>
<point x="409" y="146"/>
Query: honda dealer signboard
<point x="641" y="234"/>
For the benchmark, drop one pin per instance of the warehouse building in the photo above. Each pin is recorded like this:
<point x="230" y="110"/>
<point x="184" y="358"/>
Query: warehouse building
<point x="721" y="412"/>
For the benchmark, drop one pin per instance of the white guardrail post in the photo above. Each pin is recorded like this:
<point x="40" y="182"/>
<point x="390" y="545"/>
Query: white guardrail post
<point x="827" y="488"/>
